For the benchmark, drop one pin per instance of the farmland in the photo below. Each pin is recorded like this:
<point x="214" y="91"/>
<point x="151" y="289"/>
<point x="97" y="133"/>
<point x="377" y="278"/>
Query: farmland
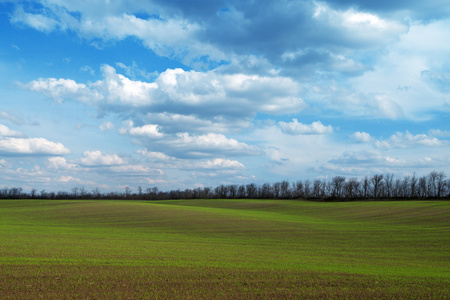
<point x="224" y="249"/>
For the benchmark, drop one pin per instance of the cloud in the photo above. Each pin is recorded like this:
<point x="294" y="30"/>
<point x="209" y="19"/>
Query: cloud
<point x="407" y="139"/>
<point x="61" y="89"/>
<point x="149" y="130"/>
<point x="176" y="122"/>
<point x="216" y="164"/>
<point x="14" y="119"/>
<point x="31" y="147"/>
<point x="440" y="80"/>
<point x="204" y="99"/>
<point x="97" y="158"/>
<point x="60" y="163"/>
<point x="368" y="162"/>
<point x="88" y="69"/>
<point x="438" y="132"/>
<point x="399" y="140"/>
<point x="6" y="132"/>
<point x="361" y="137"/>
<point x="106" y="126"/>
<point x="210" y="144"/>
<point x="296" y="128"/>
<point x="154" y="155"/>
<point x="39" y="22"/>
<point x="135" y="170"/>
<point x="416" y="9"/>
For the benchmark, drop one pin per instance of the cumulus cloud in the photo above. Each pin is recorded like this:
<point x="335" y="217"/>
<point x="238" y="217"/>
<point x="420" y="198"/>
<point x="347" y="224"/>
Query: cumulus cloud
<point x="202" y="99"/>
<point x="97" y="158"/>
<point x="210" y="144"/>
<point x="398" y="140"/>
<point x="149" y="130"/>
<point x="31" y="146"/>
<point x="176" y="122"/>
<point x="407" y="139"/>
<point x="135" y="170"/>
<point x="155" y="155"/>
<point x="217" y="164"/>
<point x="361" y="137"/>
<point x="295" y="128"/>
<point x="60" y="89"/>
<point x="438" y="132"/>
<point x="7" y="132"/>
<point x="359" y="28"/>
<point x="60" y="163"/>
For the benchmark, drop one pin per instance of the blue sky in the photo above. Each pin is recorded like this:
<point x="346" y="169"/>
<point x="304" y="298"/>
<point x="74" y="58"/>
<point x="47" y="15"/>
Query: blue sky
<point x="185" y="94"/>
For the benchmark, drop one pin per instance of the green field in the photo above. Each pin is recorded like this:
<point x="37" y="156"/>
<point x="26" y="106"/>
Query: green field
<point x="226" y="249"/>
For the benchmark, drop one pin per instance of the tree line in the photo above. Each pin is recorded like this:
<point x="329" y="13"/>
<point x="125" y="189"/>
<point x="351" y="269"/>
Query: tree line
<point x="435" y="185"/>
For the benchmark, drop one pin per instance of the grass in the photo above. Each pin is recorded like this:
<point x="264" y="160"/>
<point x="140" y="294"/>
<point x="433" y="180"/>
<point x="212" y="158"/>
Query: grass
<point x="224" y="249"/>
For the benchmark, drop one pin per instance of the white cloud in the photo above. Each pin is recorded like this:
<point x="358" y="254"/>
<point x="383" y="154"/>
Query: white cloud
<point x="218" y="164"/>
<point x="106" y="126"/>
<point x="361" y="137"/>
<point x="359" y="28"/>
<point x="407" y="139"/>
<point x="209" y="92"/>
<point x="3" y="163"/>
<point x="60" y="89"/>
<point x="119" y="89"/>
<point x="97" y="158"/>
<point x="60" y="163"/>
<point x="135" y="169"/>
<point x="31" y="146"/>
<point x="88" y="69"/>
<point x="149" y="130"/>
<point x="212" y="143"/>
<point x="6" y="132"/>
<point x="67" y="178"/>
<point x="438" y="132"/>
<point x="175" y="122"/>
<point x="296" y="128"/>
<point x="7" y="116"/>
<point x="38" y="21"/>
<point x="154" y="155"/>
<point x="398" y="140"/>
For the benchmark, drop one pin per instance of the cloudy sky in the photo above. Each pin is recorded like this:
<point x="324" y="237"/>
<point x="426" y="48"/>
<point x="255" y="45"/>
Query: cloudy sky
<point x="183" y="94"/>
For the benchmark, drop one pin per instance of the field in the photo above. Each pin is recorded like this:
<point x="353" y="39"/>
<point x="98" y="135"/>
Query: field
<point x="226" y="249"/>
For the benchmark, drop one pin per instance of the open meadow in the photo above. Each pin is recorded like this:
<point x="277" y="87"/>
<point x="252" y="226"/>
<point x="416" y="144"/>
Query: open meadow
<point x="226" y="249"/>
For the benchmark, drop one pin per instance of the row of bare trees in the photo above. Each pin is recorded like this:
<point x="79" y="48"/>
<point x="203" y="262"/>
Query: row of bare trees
<point x="378" y="186"/>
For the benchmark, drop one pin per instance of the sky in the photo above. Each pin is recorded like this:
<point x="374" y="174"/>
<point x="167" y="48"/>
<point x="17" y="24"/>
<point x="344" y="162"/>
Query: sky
<point x="181" y="94"/>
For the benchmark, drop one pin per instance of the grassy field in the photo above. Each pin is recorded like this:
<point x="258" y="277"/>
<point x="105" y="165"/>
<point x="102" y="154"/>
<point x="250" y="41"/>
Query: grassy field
<point x="226" y="249"/>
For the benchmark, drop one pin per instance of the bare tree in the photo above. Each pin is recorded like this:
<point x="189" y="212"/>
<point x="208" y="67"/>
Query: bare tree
<point x="388" y="181"/>
<point x="337" y="183"/>
<point x="376" y="184"/>
<point x="284" y="189"/>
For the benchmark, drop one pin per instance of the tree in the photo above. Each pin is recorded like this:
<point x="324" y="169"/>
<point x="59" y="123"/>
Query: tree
<point x="351" y="187"/>
<point x="299" y="189"/>
<point x="307" y="189"/>
<point x="388" y="181"/>
<point x="376" y="184"/>
<point x="127" y="192"/>
<point x="337" y="183"/>
<point x="276" y="190"/>
<point x="284" y="189"/>
<point x="251" y="190"/>
<point x="75" y="192"/>
<point x="241" y="192"/>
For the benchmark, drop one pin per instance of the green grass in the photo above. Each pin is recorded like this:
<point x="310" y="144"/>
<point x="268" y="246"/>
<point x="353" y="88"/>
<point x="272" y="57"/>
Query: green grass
<point x="224" y="249"/>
